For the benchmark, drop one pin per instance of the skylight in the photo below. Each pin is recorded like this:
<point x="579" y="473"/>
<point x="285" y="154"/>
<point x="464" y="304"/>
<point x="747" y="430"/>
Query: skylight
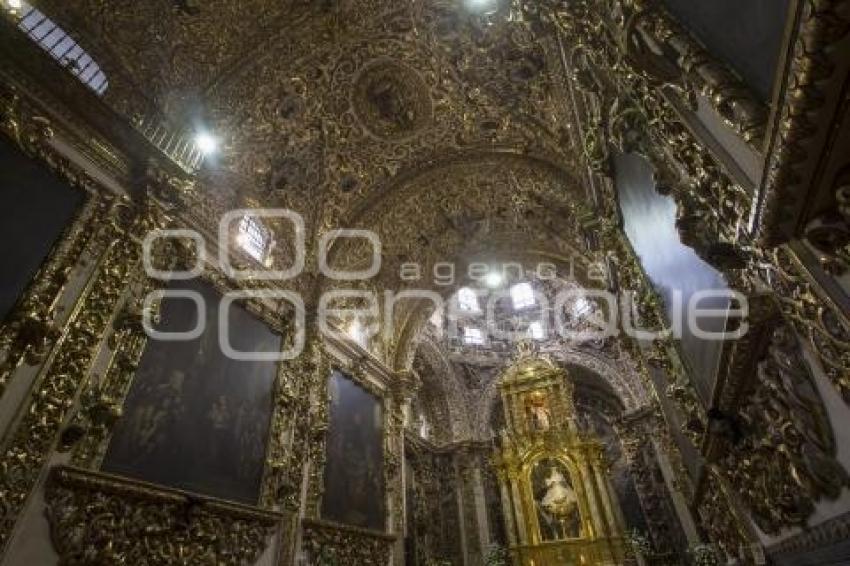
<point x="254" y="238"/>
<point x="357" y="332"/>
<point x="522" y="296"/>
<point x="473" y="336"/>
<point x="535" y="331"/>
<point x="581" y="307"/>
<point x="467" y="300"/>
<point x="59" y="45"/>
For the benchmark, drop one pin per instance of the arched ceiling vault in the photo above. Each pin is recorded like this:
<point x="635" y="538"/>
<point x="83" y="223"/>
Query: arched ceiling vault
<point x="333" y="104"/>
<point x="603" y="384"/>
<point x="449" y="136"/>
<point x="410" y="317"/>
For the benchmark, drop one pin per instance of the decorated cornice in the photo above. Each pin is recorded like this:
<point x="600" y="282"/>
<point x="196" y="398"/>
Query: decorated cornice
<point x="807" y="153"/>
<point x="105" y="138"/>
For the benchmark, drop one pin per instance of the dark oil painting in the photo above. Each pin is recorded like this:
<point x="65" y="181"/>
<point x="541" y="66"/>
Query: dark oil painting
<point x="195" y="419"/>
<point x="354" y="470"/>
<point x="37" y="208"/>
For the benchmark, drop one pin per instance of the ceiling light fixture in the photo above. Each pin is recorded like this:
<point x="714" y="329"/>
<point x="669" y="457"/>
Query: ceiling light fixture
<point x="206" y="142"/>
<point x="15" y="4"/>
<point x="494" y="279"/>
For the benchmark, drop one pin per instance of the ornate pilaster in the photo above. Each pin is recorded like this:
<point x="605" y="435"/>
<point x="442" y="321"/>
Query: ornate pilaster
<point x="636" y="439"/>
<point x="66" y="371"/>
<point x="403" y="388"/>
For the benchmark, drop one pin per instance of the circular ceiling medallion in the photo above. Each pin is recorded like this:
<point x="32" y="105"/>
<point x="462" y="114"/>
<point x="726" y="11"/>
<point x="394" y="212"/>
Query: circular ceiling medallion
<point x="391" y="100"/>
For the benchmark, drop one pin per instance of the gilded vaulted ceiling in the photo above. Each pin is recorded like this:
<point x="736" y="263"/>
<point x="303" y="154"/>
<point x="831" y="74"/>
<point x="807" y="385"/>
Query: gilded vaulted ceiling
<point x="458" y="398"/>
<point x="445" y="132"/>
<point x="167" y="53"/>
<point x="334" y="103"/>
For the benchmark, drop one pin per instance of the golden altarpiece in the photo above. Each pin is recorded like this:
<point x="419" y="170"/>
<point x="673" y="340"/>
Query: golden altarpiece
<point x="557" y="499"/>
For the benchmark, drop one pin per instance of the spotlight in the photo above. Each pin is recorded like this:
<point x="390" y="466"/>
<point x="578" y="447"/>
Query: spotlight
<point x="15" y="4"/>
<point x="206" y="142"/>
<point x="493" y="279"/>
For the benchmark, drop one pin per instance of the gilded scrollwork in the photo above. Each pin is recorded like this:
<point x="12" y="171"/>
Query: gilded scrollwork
<point x="823" y="324"/>
<point x="296" y="425"/>
<point x="814" y="73"/>
<point x="328" y="544"/>
<point x="391" y="100"/>
<point x="150" y="526"/>
<point x="67" y="373"/>
<point x="785" y="460"/>
<point x="461" y="123"/>
<point x="724" y="525"/>
<point x="101" y="404"/>
<point x="638" y="114"/>
<point x="32" y="328"/>
<point x="829" y="233"/>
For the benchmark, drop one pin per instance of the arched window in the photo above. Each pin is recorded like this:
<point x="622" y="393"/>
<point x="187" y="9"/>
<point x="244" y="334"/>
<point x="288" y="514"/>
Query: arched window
<point x="59" y="45"/>
<point x="467" y="300"/>
<point x="522" y="296"/>
<point x="254" y="238"/>
<point x="473" y="336"/>
<point x="535" y="331"/>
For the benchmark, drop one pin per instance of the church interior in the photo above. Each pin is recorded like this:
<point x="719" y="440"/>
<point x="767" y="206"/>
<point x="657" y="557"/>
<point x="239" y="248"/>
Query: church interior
<point x="425" y="282"/>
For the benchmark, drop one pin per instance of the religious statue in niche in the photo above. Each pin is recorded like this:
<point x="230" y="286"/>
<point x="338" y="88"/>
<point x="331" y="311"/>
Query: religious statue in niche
<point x="555" y="501"/>
<point x="539" y="416"/>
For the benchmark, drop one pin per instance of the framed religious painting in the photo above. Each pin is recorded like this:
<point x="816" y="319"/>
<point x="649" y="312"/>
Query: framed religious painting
<point x="195" y="418"/>
<point x="38" y="207"/>
<point x="354" y="469"/>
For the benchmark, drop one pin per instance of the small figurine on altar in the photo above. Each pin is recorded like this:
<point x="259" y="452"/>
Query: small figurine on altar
<point x="541" y="418"/>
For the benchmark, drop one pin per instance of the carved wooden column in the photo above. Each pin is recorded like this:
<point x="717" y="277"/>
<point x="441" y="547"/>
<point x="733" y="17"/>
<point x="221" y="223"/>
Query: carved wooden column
<point x="600" y="527"/>
<point x="403" y="389"/>
<point x="597" y="464"/>
<point x="507" y="508"/>
<point x="481" y="510"/>
<point x="519" y="510"/>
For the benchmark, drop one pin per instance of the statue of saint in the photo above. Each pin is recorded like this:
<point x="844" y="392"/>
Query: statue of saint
<point x="542" y="420"/>
<point x="557" y="504"/>
<point x="560" y="498"/>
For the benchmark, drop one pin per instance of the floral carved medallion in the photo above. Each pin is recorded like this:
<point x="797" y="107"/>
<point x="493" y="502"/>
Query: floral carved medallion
<point x="391" y="100"/>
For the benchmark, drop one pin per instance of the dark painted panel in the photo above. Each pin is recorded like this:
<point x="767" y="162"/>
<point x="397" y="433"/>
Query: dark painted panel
<point x="195" y="419"/>
<point x="37" y="208"/>
<point x="673" y="267"/>
<point x="746" y="34"/>
<point x="354" y="470"/>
